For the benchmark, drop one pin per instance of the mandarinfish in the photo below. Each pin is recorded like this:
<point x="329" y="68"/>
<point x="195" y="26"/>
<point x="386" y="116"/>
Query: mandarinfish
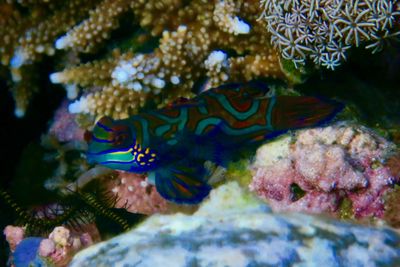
<point x="172" y="144"/>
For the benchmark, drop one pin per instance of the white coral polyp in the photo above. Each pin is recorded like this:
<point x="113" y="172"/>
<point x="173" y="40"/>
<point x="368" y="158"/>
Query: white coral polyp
<point x="56" y="77"/>
<point x="215" y="58"/>
<point x="124" y="72"/>
<point x="63" y="42"/>
<point x="239" y="26"/>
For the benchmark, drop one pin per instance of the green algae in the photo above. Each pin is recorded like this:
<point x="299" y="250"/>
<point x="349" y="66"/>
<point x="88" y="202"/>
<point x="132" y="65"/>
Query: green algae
<point x="239" y="171"/>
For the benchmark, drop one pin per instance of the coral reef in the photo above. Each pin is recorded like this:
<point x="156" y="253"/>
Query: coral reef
<point x="234" y="229"/>
<point x="323" y="31"/>
<point x="188" y="50"/>
<point x="121" y="57"/>
<point x="190" y="35"/>
<point x="56" y="250"/>
<point x="316" y="169"/>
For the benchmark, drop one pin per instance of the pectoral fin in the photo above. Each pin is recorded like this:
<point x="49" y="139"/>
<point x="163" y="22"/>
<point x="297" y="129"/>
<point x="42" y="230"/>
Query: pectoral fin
<point x="182" y="183"/>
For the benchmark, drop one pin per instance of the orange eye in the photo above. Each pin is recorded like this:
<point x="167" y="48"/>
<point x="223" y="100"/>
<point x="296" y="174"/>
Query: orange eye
<point x="88" y="136"/>
<point x="120" y="138"/>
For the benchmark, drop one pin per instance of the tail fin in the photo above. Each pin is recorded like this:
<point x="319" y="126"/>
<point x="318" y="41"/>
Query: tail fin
<point x="292" y="112"/>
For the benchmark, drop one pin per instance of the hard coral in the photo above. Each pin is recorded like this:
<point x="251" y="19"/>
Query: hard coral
<point x="62" y="244"/>
<point x="324" y="30"/>
<point x="64" y="126"/>
<point x="317" y="169"/>
<point x="14" y="235"/>
<point x="28" y="30"/>
<point x="58" y="249"/>
<point x="189" y="32"/>
<point x="191" y="35"/>
<point x="135" y="194"/>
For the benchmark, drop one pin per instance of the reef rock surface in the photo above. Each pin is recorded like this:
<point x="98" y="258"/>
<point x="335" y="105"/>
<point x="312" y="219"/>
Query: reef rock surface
<point x="234" y="229"/>
<point x="315" y="170"/>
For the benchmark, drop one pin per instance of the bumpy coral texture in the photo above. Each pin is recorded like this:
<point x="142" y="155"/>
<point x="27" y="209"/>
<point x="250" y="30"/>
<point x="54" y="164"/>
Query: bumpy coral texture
<point x="64" y="126"/>
<point x="14" y="235"/>
<point x="136" y="195"/>
<point x="322" y="167"/>
<point x="193" y="38"/>
<point x="190" y="32"/>
<point x="324" y="30"/>
<point x="61" y="244"/>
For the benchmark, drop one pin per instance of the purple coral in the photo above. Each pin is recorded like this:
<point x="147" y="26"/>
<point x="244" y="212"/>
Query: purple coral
<point x="64" y="126"/>
<point x="136" y="195"/>
<point x="327" y="165"/>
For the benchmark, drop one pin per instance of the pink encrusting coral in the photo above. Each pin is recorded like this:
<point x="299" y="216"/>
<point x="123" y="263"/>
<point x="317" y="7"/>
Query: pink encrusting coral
<point x="64" y="126"/>
<point x="136" y="195"/>
<point x="62" y="243"/>
<point x="60" y="246"/>
<point x="315" y="170"/>
<point x="14" y="235"/>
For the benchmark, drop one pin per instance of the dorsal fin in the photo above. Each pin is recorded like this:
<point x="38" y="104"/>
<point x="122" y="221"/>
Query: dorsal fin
<point x="250" y="89"/>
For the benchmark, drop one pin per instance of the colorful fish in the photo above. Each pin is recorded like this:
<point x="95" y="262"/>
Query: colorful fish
<point x="172" y="144"/>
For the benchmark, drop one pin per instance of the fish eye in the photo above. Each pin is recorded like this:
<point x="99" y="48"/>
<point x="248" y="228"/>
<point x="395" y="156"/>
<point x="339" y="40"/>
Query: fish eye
<point x="120" y="138"/>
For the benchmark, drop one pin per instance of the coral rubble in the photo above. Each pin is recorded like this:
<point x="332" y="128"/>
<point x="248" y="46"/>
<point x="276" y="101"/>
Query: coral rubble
<point x="234" y="229"/>
<point x="316" y="169"/>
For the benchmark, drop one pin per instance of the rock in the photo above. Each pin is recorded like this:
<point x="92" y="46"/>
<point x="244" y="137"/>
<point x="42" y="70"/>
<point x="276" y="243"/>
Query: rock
<point x="315" y="170"/>
<point x="232" y="228"/>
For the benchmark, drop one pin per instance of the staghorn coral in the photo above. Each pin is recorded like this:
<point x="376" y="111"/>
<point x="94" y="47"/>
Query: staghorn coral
<point x="88" y="34"/>
<point x="27" y="33"/>
<point x="189" y="31"/>
<point x="318" y="169"/>
<point x="324" y="30"/>
<point x="191" y="34"/>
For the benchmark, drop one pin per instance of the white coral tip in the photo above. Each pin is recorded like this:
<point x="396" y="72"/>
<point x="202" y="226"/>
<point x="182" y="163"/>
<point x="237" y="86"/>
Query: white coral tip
<point x="62" y="42"/>
<point x="56" y="77"/>
<point x="216" y="58"/>
<point x="18" y="59"/>
<point x="72" y="91"/>
<point x="19" y="113"/>
<point x="158" y="83"/>
<point x="240" y="27"/>
<point x="79" y="106"/>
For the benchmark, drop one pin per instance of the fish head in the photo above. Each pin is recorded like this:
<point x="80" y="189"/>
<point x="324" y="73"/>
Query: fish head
<point x="113" y="143"/>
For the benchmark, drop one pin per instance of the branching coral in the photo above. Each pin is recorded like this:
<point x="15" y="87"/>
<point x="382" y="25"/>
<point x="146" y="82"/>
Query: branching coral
<point x="28" y="32"/>
<point x="324" y="30"/>
<point x="190" y="34"/>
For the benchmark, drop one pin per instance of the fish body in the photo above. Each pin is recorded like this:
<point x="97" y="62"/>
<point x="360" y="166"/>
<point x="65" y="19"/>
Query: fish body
<point x="172" y="143"/>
